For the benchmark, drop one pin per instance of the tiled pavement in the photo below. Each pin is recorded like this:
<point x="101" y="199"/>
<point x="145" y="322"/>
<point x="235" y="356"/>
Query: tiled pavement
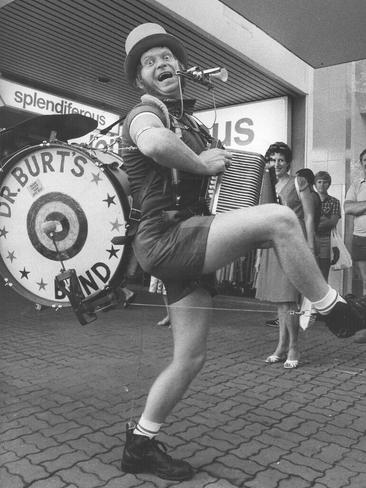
<point x="67" y="392"/>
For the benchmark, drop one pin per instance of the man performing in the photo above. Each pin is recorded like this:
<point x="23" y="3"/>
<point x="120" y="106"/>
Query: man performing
<point x="168" y="159"/>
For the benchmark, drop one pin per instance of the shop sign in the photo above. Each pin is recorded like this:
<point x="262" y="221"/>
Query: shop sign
<point x="250" y="126"/>
<point x="39" y="102"/>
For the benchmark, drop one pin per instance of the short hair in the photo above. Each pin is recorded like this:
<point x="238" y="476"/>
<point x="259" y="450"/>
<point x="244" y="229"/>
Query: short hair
<point x="279" y="147"/>
<point x="323" y="175"/>
<point x="362" y="154"/>
<point x="307" y="174"/>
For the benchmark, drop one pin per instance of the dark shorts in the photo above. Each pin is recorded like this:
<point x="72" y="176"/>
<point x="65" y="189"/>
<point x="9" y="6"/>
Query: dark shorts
<point x="175" y="253"/>
<point x="358" y="248"/>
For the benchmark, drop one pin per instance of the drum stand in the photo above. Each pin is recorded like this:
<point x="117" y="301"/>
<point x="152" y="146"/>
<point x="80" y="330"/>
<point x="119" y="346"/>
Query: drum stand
<point x="85" y="308"/>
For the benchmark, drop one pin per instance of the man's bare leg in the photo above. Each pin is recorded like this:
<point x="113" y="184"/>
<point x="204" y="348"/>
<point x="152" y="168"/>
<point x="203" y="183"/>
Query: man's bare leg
<point x="361" y="265"/>
<point x="190" y="320"/>
<point x="234" y="233"/>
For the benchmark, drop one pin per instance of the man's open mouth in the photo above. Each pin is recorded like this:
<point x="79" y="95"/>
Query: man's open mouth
<point x="165" y="76"/>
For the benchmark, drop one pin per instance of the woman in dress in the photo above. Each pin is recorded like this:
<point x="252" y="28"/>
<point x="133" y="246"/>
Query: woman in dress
<point x="272" y="284"/>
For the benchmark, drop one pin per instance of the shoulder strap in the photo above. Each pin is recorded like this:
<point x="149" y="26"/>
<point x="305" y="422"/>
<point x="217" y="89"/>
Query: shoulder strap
<point x="157" y="103"/>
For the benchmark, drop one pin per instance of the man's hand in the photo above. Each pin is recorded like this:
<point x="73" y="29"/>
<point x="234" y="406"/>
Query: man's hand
<point x="216" y="160"/>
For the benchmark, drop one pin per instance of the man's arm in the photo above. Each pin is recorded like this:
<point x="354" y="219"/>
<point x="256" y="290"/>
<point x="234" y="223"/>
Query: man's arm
<point x="308" y="206"/>
<point x="166" y="148"/>
<point x="354" y="208"/>
<point x="328" y="223"/>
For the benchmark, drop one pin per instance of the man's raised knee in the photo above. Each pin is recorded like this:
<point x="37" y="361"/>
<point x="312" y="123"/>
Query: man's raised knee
<point x="283" y="223"/>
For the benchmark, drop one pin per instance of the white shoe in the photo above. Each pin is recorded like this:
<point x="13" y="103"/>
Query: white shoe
<point x="307" y="314"/>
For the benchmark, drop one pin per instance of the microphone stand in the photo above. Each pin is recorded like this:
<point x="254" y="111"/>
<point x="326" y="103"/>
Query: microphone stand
<point x="201" y="78"/>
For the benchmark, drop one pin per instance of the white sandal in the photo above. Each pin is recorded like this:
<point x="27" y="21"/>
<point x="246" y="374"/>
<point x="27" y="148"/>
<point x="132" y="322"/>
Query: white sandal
<point x="273" y="358"/>
<point x="291" y="363"/>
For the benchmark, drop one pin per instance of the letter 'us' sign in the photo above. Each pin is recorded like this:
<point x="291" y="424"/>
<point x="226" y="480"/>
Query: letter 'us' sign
<point x="250" y="126"/>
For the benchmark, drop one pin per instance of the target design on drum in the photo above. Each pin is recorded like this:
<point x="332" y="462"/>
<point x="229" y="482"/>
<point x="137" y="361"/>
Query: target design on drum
<point x="59" y="187"/>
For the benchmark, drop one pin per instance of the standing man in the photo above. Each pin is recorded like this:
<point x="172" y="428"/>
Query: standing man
<point x="329" y="217"/>
<point x="355" y="204"/>
<point x="168" y="158"/>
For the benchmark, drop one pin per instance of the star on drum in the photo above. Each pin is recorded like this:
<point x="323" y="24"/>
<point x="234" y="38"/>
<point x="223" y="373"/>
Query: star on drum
<point x="42" y="285"/>
<point x="113" y="252"/>
<point x="24" y="273"/>
<point x="116" y="225"/>
<point x="110" y="200"/>
<point x="96" y="178"/>
<point x="3" y="232"/>
<point x="11" y="256"/>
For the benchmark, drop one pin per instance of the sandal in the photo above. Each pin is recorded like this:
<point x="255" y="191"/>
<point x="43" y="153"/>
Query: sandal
<point x="273" y="358"/>
<point x="272" y="323"/>
<point x="291" y="363"/>
<point x="129" y="299"/>
<point x="165" y="322"/>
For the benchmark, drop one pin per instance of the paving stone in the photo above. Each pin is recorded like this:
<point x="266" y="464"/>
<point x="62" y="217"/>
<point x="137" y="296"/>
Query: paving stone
<point x="336" y="477"/>
<point x="269" y="455"/>
<point x="78" y="477"/>
<point x="106" y="441"/>
<point x="102" y="470"/>
<point x="268" y="478"/>
<point x="299" y="470"/>
<point x="40" y="441"/>
<point x="293" y="481"/>
<point x="19" y="447"/>
<point x="9" y="480"/>
<point x="220" y="471"/>
<point x="340" y="440"/>
<point x="51" y="482"/>
<point x="65" y="461"/>
<point x="127" y="480"/>
<point x="312" y="462"/>
<point x="357" y="481"/>
<point x="50" y="454"/>
<point x="26" y="470"/>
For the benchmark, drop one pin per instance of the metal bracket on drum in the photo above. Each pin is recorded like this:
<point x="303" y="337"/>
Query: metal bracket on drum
<point x="67" y="281"/>
<point x="86" y="308"/>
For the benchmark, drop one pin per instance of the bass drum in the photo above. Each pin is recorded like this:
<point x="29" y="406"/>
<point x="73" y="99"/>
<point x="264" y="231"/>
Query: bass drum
<point x="87" y="204"/>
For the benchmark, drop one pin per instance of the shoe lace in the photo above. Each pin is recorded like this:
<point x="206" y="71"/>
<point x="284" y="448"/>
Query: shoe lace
<point x="160" y="446"/>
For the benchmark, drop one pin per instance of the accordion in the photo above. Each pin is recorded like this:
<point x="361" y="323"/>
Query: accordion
<point x="240" y="185"/>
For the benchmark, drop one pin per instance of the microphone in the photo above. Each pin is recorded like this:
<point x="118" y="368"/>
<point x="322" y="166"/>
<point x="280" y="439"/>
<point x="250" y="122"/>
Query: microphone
<point x="219" y="73"/>
<point x="204" y="76"/>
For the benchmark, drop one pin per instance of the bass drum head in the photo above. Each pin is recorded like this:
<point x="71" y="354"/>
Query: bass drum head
<point x="59" y="187"/>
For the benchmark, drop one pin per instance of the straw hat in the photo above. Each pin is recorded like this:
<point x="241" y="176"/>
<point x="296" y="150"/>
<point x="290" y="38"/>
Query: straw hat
<point x="144" y="37"/>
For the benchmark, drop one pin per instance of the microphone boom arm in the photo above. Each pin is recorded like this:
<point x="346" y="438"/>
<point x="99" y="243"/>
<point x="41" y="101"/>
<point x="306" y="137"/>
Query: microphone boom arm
<point x="204" y="76"/>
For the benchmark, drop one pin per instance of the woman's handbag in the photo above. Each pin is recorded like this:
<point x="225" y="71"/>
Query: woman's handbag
<point x="344" y="261"/>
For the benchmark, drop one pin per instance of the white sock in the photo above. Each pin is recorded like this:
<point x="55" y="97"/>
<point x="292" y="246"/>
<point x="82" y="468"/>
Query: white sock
<point x="326" y="304"/>
<point x="147" y="428"/>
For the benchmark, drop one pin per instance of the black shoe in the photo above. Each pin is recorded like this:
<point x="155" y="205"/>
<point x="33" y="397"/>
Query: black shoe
<point x="346" y="319"/>
<point x="144" y="455"/>
<point x="273" y="323"/>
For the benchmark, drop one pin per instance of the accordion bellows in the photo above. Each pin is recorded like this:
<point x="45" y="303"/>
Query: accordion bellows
<point x="240" y="185"/>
